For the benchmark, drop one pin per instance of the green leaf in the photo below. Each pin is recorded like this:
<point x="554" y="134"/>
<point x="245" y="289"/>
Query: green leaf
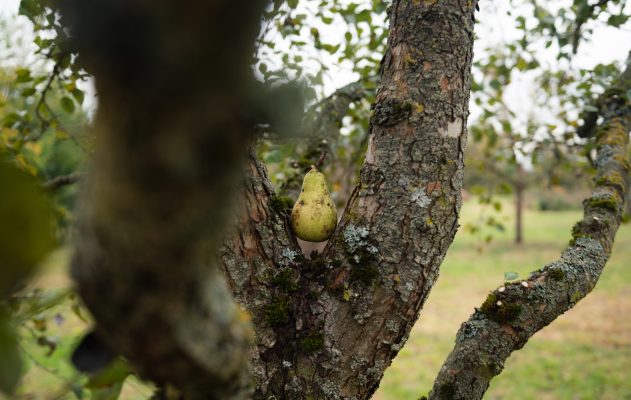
<point x="31" y="8"/>
<point x="617" y="20"/>
<point x="28" y="92"/>
<point x="10" y="361"/>
<point x="23" y="75"/>
<point x="67" y="104"/>
<point x="111" y="392"/>
<point x="10" y="120"/>
<point x="78" y="95"/>
<point x="25" y="231"/>
<point x="113" y="374"/>
<point x="292" y="3"/>
<point x="511" y="276"/>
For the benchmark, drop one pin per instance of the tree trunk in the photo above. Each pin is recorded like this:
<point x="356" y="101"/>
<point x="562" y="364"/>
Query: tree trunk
<point x="520" y="184"/>
<point x="519" y="210"/>
<point x="328" y="327"/>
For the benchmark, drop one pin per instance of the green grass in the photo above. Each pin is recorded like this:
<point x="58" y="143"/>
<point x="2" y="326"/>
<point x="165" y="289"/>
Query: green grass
<point x="584" y="354"/>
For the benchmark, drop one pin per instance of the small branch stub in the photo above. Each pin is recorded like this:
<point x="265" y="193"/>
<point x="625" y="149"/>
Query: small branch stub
<point x="320" y="160"/>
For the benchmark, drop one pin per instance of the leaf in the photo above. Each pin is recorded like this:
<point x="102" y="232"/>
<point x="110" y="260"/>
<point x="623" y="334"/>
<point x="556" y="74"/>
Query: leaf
<point x="10" y="120"/>
<point x="10" y="361"/>
<point x="25" y="233"/>
<point x="617" y="20"/>
<point x="292" y="3"/>
<point x="61" y="135"/>
<point x="111" y="392"/>
<point x="23" y="75"/>
<point x="78" y="95"/>
<point x="31" y="8"/>
<point x="115" y="373"/>
<point x="67" y="104"/>
<point x="511" y="276"/>
<point x="28" y="92"/>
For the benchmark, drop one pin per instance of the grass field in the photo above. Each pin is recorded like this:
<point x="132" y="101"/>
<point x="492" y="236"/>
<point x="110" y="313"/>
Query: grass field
<point x="585" y="354"/>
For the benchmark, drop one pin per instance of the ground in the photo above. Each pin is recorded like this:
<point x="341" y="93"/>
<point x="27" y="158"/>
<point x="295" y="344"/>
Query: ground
<point x="585" y="354"/>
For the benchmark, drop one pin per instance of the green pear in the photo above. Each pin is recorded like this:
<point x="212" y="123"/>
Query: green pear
<point x="314" y="217"/>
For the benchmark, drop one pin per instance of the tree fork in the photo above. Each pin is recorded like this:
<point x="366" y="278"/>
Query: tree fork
<point x="328" y="327"/>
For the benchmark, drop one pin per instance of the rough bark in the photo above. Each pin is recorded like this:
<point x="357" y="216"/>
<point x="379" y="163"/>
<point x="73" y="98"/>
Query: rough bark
<point x="513" y="313"/>
<point x="169" y="141"/>
<point x="328" y="327"/>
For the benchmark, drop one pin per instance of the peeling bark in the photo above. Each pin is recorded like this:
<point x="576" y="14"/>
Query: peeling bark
<point x="513" y="313"/>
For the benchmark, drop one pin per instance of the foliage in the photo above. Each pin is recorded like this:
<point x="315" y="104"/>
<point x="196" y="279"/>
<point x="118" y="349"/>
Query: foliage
<point x="22" y="209"/>
<point x="301" y="41"/>
<point x="516" y="144"/>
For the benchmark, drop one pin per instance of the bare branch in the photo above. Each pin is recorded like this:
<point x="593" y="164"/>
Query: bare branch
<point x="513" y="313"/>
<point x="62" y="180"/>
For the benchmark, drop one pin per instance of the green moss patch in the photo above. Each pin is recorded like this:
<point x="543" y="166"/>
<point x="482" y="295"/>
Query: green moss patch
<point x="500" y="311"/>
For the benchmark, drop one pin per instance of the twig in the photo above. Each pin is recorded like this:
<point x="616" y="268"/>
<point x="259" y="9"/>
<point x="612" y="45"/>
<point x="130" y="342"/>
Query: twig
<point x="62" y="180"/>
<point x="320" y="160"/>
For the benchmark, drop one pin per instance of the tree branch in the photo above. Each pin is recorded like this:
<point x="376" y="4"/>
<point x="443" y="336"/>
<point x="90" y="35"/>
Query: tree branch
<point x="513" y="313"/>
<point x="173" y="82"/>
<point x="62" y="180"/>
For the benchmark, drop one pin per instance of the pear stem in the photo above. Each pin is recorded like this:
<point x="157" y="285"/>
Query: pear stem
<point x="320" y="160"/>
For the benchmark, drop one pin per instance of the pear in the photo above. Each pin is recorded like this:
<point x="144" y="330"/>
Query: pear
<point x="314" y="217"/>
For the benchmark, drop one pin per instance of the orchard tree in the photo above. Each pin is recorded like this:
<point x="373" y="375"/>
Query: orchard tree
<point x="216" y="306"/>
